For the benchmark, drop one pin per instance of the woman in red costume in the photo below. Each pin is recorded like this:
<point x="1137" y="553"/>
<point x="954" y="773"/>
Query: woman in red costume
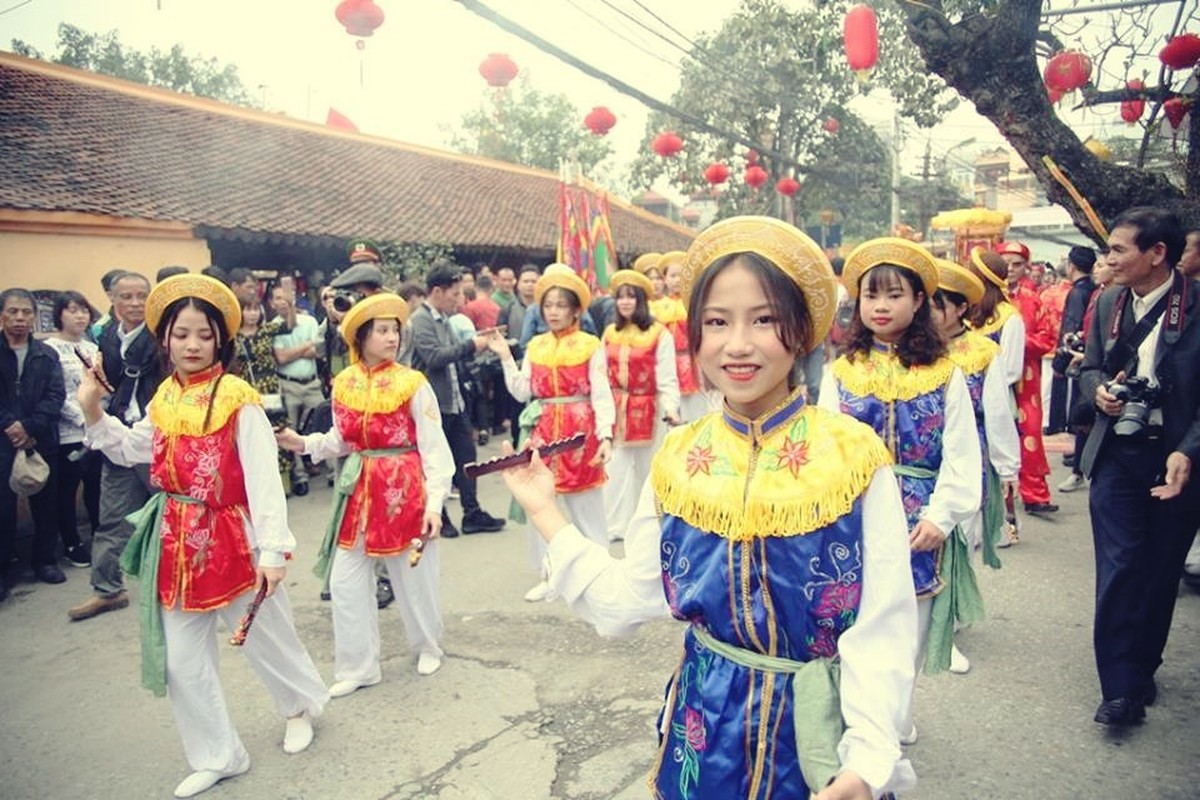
<point x="670" y="311"/>
<point x="641" y="371"/>
<point x="215" y="533"/>
<point x="564" y="378"/>
<point x="389" y="494"/>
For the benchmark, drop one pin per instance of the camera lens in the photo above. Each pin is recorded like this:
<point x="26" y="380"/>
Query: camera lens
<point x="342" y="303"/>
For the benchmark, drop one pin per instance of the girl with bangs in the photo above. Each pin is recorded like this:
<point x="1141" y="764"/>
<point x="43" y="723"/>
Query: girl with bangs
<point x="564" y="380"/>
<point x="895" y="376"/>
<point x="641" y="371"/>
<point x="215" y="534"/>
<point x="388" y="497"/>
<point x="775" y="531"/>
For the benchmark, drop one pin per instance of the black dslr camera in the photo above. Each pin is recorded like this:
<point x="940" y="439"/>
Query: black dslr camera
<point x="1140" y="397"/>
<point x="344" y="300"/>
<point x="1072" y="343"/>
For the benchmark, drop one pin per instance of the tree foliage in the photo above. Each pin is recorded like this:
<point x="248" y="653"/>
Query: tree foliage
<point x="988" y="52"/>
<point x="773" y="75"/>
<point x="522" y="125"/>
<point x="171" y="69"/>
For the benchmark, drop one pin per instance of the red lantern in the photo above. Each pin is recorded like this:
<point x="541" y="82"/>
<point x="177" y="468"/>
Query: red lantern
<point x="1068" y="71"/>
<point x="788" y="186"/>
<point x="751" y="156"/>
<point x="831" y="125"/>
<point x="359" y="17"/>
<point x="1176" y="109"/>
<point x="498" y="70"/>
<point x="1182" y="52"/>
<point x="756" y="176"/>
<point x="667" y="144"/>
<point x="716" y="173"/>
<point x="600" y="120"/>
<point x="860" y="33"/>
<point x="1055" y="95"/>
<point x="1133" y="108"/>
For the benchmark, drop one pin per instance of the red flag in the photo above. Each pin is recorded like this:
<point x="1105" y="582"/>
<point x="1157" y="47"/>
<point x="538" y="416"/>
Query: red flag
<point x="338" y="120"/>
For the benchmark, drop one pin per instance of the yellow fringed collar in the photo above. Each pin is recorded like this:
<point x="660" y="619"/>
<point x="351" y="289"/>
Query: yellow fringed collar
<point x="376" y="390"/>
<point x="565" y="350"/>
<point x="668" y="310"/>
<point x="972" y="352"/>
<point x="792" y="471"/>
<point x="880" y="374"/>
<point x="999" y="317"/>
<point x="633" y="336"/>
<point x="180" y="405"/>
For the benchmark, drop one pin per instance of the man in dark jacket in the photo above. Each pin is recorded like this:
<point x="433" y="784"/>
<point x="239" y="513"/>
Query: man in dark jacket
<point x="1065" y="393"/>
<point x="134" y="368"/>
<point x="1143" y="343"/>
<point x="438" y="354"/>
<point x="31" y="399"/>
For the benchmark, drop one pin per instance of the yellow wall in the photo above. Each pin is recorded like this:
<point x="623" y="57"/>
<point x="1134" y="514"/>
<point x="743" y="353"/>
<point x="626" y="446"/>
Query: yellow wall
<point x="77" y="260"/>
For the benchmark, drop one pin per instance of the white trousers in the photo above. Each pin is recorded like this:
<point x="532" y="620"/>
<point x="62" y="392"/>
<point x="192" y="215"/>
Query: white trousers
<point x="924" y="614"/>
<point x="356" y="611"/>
<point x="627" y="474"/>
<point x="585" y="510"/>
<point x="194" y="685"/>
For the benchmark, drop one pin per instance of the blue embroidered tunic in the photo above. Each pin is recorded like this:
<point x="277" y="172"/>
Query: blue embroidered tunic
<point x="759" y="533"/>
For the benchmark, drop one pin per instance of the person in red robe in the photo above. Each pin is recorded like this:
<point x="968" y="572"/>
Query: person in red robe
<point x="1040" y="338"/>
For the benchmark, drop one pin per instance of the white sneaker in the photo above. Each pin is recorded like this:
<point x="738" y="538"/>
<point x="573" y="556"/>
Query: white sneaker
<point x="1073" y="482"/>
<point x="298" y="735"/>
<point x="538" y="593"/>
<point x="910" y="737"/>
<point x="343" y="688"/>
<point x="204" y="779"/>
<point x="428" y="663"/>
<point x="959" y="664"/>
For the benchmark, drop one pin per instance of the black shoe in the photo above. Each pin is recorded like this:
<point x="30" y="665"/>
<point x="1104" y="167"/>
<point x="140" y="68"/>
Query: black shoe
<point x="300" y="488"/>
<point x="383" y="593"/>
<point x="79" y="556"/>
<point x="1150" y="696"/>
<point x="49" y="573"/>
<point x="448" y="530"/>
<point x="483" y="438"/>
<point x="3" y="589"/>
<point x="326" y="596"/>
<point x="479" y="521"/>
<point x="1040" y="508"/>
<point x="1122" y="711"/>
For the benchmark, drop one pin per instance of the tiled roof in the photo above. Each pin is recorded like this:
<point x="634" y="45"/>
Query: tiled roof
<point x="75" y="141"/>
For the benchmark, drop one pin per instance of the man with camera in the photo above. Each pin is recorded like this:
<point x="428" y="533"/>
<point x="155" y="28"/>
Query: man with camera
<point x="1069" y="356"/>
<point x="1142" y="366"/>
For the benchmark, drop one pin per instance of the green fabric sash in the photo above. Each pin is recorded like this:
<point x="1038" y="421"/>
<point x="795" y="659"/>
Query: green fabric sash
<point x="140" y="560"/>
<point x="993" y="519"/>
<point x="959" y="601"/>
<point x="913" y="472"/>
<point x="531" y="415"/>
<point x="342" y="489"/>
<point x="816" y="705"/>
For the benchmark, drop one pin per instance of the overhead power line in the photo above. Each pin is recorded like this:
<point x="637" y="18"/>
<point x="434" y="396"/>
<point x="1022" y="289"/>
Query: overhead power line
<point x="478" y="8"/>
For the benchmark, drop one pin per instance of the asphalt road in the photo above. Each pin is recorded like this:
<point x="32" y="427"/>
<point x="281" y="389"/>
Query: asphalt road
<point x="531" y="703"/>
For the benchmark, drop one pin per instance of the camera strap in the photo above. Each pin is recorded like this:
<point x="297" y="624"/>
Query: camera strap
<point x="1123" y="353"/>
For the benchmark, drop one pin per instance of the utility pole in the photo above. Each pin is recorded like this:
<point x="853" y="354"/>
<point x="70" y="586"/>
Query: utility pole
<point x="923" y="202"/>
<point x="896" y="147"/>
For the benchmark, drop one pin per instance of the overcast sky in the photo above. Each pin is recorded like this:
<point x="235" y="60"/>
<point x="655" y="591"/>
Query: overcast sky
<point x="420" y="69"/>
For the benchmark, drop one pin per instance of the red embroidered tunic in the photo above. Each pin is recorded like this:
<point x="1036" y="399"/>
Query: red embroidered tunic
<point x="206" y="556"/>
<point x="372" y="411"/>
<point x="631" y="355"/>
<point x="558" y="377"/>
<point x="671" y="313"/>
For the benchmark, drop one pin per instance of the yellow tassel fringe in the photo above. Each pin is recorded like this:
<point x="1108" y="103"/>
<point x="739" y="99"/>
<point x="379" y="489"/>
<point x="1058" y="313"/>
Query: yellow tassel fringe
<point x="179" y="410"/>
<point x="881" y="375"/>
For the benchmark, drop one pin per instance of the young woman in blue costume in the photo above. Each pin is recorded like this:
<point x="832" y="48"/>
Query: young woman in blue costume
<point x="896" y="377"/>
<point x="776" y="531"/>
<point x="1000" y="446"/>
<point x="216" y="532"/>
